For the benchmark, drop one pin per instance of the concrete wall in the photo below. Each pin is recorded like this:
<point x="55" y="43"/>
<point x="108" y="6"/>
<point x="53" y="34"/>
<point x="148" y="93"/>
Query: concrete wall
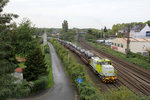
<point x="137" y="47"/>
<point x="119" y="47"/>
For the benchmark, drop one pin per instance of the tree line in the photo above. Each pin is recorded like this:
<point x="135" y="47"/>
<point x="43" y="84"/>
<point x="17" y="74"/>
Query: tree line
<point x="20" y="40"/>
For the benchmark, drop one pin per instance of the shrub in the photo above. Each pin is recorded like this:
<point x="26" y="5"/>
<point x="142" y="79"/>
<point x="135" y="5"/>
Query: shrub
<point x="21" y="90"/>
<point x="40" y="84"/>
<point x="46" y="48"/>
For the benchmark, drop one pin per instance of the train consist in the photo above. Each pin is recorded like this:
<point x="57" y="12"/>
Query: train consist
<point x="102" y="67"/>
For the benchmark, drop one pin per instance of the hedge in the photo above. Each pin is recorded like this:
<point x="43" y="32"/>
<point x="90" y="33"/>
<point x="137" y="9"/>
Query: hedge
<point x="46" y="49"/>
<point x="40" y="84"/>
<point x="16" y="91"/>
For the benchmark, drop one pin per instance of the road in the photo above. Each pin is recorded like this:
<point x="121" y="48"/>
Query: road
<point x="62" y="89"/>
<point x="44" y="38"/>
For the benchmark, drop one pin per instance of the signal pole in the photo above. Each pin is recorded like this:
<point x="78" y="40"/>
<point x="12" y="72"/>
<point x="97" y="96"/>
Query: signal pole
<point x="128" y="43"/>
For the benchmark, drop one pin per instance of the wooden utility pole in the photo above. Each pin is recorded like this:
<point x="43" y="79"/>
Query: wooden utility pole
<point x="128" y="43"/>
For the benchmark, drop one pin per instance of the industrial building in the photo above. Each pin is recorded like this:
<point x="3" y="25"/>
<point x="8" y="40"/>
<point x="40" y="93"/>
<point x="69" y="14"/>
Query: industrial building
<point x="136" y="45"/>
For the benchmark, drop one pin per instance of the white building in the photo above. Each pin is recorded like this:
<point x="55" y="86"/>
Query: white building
<point x="136" y="45"/>
<point x="140" y="31"/>
<point x="18" y="75"/>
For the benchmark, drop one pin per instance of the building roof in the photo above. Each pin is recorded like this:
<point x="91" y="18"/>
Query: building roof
<point x="19" y="69"/>
<point x="134" y="39"/>
<point x="20" y="59"/>
<point x="125" y="29"/>
<point x="138" y="28"/>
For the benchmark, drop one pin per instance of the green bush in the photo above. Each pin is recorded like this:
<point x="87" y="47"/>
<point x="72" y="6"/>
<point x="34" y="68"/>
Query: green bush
<point x="40" y="84"/>
<point x="21" y="90"/>
<point x="123" y="94"/>
<point x="17" y="90"/>
<point x="46" y="48"/>
<point x="49" y="69"/>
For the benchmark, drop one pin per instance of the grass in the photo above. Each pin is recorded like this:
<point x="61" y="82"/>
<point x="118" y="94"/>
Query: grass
<point x="136" y="59"/>
<point x="123" y="94"/>
<point x="42" y="48"/>
<point x="22" y="65"/>
<point x="48" y="61"/>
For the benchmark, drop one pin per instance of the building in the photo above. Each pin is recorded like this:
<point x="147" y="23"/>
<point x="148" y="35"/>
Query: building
<point x="18" y="75"/>
<point x="136" y="45"/>
<point x="140" y="31"/>
<point x="123" y="30"/>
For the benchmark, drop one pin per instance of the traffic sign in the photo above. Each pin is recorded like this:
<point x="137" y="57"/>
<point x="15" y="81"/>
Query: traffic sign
<point x="79" y="80"/>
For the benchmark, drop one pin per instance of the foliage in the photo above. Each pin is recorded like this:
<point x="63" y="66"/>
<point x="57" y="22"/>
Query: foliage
<point x="119" y="35"/>
<point x="25" y="31"/>
<point x="21" y="89"/>
<point x="22" y="65"/>
<point x="68" y="36"/>
<point x="49" y="64"/>
<point x="86" y="89"/>
<point x="65" y="26"/>
<point x="7" y="57"/>
<point x="15" y="90"/>
<point x="35" y="65"/>
<point x="117" y="27"/>
<point x="40" y="83"/>
<point x="123" y="94"/>
<point x="6" y="27"/>
<point x="50" y="75"/>
<point x="90" y="37"/>
<point x="105" y="29"/>
<point x="148" y="22"/>
<point x="46" y="49"/>
<point x="24" y="42"/>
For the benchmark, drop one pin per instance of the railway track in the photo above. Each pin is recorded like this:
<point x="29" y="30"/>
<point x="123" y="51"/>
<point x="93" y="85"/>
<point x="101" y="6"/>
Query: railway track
<point x="130" y="75"/>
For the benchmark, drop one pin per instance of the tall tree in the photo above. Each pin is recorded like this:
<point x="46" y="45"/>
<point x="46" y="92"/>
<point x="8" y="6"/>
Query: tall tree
<point x="65" y="26"/>
<point x="7" y="56"/>
<point x="148" y="22"/>
<point x="119" y="35"/>
<point x="35" y="65"/>
<point x="5" y="21"/>
<point x="25" y="42"/>
<point x="105" y="29"/>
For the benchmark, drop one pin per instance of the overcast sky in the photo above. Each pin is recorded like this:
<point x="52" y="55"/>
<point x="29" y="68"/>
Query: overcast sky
<point x="80" y="13"/>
